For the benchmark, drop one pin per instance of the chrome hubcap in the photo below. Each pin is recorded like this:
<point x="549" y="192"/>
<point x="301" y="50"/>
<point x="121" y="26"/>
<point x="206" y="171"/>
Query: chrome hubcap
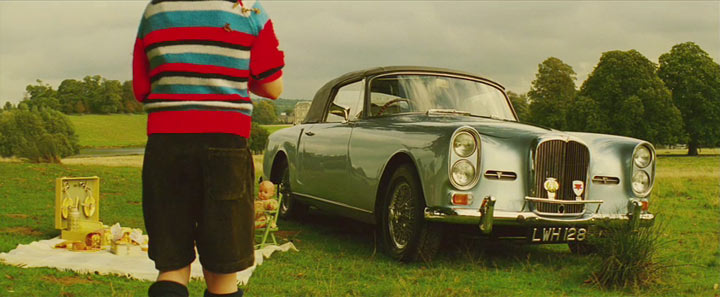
<point x="400" y="215"/>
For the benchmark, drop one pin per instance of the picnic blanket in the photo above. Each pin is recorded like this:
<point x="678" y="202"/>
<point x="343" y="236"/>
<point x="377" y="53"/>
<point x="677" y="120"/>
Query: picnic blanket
<point x="43" y="254"/>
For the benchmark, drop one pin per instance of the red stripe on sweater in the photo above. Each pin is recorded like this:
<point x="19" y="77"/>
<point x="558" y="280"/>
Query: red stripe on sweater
<point x="199" y="33"/>
<point x="199" y="121"/>
<point x="264" y="53"/>
<point x="140" y="66"/>
<point x="198" y="97"/>
<point x="185" y="67"/>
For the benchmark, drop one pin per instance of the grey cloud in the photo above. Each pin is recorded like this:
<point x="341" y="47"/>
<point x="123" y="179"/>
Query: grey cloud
<point x="504" y="41"/>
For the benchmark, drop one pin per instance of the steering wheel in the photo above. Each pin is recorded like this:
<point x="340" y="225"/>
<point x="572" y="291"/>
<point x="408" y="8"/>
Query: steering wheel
<point x="391" y="102"/>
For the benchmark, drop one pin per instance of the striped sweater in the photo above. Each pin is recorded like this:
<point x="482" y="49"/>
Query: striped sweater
<point x="194" y="62"/>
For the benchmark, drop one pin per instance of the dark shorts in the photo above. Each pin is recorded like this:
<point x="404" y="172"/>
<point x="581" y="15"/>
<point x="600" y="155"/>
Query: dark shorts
<point x="198" y="191"/>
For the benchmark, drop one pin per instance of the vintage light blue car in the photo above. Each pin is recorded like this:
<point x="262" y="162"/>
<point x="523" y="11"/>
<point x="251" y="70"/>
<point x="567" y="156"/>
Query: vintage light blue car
<point x="414" y="149"/>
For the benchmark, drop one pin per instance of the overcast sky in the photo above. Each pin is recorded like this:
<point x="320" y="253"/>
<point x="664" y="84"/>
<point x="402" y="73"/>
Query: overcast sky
<point x="503" y="41"/>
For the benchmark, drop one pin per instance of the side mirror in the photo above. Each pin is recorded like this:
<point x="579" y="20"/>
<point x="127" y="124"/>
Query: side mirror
<point x="340" y="111"/>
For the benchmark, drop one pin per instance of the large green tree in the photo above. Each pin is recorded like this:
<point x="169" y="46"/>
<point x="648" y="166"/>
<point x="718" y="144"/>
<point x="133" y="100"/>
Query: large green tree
<point x="92" y="93"/>
<point x="630" y="98"/>
<point x="110" y="97"/>
<point x="70" y="95"/>
<point x="41" y="95"/>
<point x="520" y="103"/>
<point x="552" y="91"/>
<point x="694" y="79"/>
<point x="264" y="112"/>
<point x="130" y="104"/>
<point x="585" y="115"/>
<point x="258" y="138"/>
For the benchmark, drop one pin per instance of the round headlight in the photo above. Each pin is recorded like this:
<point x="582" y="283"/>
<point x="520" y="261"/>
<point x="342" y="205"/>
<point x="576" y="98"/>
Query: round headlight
<point x="463" y="173"/>
<point x="640" y="182"/>
<point x="464" y="144"/>
<point x="642" y="157"/>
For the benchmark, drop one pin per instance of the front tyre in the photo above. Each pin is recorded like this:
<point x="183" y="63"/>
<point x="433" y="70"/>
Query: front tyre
<point x="406" y="236"/>
<point x="290" y="208"/>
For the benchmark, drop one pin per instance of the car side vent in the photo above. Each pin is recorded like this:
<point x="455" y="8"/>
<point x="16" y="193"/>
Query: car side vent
<point x="501" y="175"/>
<point x="607" y="180"/>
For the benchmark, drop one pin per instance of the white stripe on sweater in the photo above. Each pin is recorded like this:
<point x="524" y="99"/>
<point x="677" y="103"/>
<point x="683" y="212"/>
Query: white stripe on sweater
<point x="197" y="81"/>
<point x="198" y="49"/>
<point x="195" y="6"/>
<point x="243" y="106"/>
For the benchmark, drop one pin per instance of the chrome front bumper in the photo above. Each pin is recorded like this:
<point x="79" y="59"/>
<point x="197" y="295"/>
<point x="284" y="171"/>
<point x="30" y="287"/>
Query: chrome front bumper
<point x="486" y="217"/>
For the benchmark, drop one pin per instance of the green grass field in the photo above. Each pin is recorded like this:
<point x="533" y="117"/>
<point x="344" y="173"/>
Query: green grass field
<point x="119" y="130"/>
<point x="338" y="257"/>
<point x="272" y="128"/>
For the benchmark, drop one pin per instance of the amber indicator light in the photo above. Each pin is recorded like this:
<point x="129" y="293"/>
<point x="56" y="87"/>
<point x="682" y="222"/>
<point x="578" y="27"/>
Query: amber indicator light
<point x="461" y="199"/>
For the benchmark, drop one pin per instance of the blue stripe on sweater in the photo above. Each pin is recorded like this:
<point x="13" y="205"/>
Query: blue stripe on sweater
<point x="201" y="59"/>
<point x="212" y="18"/>
<point x="261" y="18"/>
<point x="193" y="89"/>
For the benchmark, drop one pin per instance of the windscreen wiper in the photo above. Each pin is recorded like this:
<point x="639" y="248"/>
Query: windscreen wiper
<point x="446" y="111"/>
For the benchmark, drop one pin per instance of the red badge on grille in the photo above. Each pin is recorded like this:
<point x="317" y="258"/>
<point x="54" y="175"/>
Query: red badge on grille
<point x="578" y="188"/>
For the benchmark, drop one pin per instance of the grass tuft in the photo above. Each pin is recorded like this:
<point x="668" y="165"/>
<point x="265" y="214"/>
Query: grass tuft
<point x="627" y="256"/>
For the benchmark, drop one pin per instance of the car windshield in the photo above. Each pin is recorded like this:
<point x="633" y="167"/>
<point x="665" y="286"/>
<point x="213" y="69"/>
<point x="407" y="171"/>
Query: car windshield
<point x="436" y="94"/>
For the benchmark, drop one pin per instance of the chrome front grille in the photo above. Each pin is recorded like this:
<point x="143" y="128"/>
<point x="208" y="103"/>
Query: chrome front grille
<point x="565" y="161"/>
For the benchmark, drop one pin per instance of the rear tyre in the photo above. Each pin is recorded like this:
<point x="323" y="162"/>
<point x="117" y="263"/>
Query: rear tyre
<point x="290" y="208"/>
<point x="406" y="236"/>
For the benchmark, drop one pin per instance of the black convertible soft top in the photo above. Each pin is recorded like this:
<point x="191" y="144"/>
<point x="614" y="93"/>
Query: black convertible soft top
<point x="323" y="96"/>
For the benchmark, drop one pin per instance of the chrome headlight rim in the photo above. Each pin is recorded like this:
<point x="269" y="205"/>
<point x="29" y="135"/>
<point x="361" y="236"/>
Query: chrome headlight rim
<point x="640" y="174"/>
<point x="648" y="169"/>
<point x="474" y="157"/>
<point x="470" y="177"/>
<point x="647" y="154"/>
<point x="458" y="137"/>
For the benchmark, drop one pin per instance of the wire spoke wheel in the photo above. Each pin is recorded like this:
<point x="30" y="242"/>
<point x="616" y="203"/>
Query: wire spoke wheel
<point x="401" y="215"/>
<point x="289" y="206"/>
<point x="284" y="190"/>
<point x="406" y="236"/>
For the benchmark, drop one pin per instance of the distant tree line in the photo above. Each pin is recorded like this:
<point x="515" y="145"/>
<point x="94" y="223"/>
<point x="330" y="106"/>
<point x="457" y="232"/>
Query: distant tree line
<point x="93" y="94"/>
<point x="97" y="95"/>
<point x="675" y="102"/>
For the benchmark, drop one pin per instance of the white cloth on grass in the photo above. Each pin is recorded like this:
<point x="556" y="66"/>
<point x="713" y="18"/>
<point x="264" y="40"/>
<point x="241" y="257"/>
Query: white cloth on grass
<point x="44" y="254"/>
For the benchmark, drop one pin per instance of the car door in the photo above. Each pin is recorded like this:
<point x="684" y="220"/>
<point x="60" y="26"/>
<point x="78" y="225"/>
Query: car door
<point x="323" y="147"/>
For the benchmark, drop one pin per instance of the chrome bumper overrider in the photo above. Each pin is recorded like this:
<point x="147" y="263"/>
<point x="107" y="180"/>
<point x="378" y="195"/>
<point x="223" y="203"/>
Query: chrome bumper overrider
<point x="486" y="217"/>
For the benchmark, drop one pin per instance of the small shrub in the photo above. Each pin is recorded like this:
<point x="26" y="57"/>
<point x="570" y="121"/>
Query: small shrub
<point x="39" y="135"/>
<point x="626" y="256"/>
<point x="258" y="138"/>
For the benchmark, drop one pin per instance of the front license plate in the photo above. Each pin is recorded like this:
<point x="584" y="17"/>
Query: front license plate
<point x="557" y="234"/>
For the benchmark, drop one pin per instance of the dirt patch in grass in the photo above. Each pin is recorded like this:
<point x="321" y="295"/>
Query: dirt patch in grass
<point x="11" y="160"/>
<point x="68" y="280"/>
<point x="17" y="215"/>
<point x="116" y="161"/>
<point x="21" y="230"/>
